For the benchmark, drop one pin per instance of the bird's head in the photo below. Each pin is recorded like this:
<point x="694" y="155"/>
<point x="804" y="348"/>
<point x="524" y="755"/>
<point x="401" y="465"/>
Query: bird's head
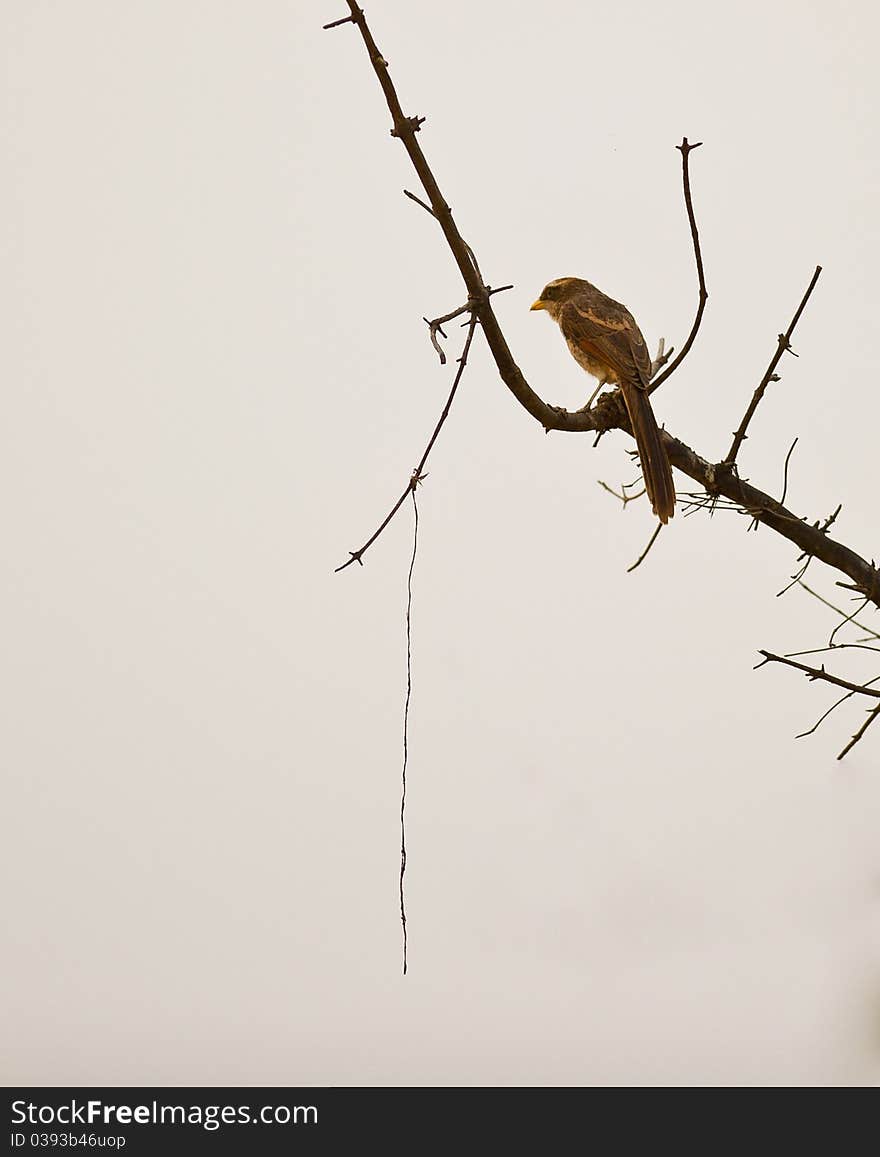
<point x="556" y="293"/>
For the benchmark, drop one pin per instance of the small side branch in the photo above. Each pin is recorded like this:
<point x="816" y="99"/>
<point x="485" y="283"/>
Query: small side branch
<point x="785" y="470"/>
<point x="470" y="306"/>
<point x="344" y="20"/>
<point x="861" y="731"/>
<point x="624" y="498"/>
<point x="663" y="356"/>
<point x="436" y="326"/>
<point x="686" y="149"/>
<point x="409" y="593"/>
<point x="419" y="473"/>
<point x="419" y="201"/>
<point x="874" y="634"/>
<point x="783" y="346"/>
<point x="808" y="537"/>
<point x="644" y="553"/>
<point x="820" y="673"/>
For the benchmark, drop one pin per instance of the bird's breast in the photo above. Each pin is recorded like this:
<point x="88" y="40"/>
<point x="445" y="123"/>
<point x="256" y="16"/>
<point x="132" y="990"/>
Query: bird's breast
<point x="590" y="360"/>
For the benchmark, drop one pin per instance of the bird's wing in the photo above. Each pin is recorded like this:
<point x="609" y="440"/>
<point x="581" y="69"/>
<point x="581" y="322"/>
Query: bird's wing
<point x="606" y="330"/>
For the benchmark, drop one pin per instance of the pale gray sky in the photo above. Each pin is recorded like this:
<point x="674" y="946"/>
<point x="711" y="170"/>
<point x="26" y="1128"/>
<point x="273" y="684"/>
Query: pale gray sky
<point x="623" y="868"/>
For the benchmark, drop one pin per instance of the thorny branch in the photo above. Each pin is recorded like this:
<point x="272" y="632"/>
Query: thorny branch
<point x="819" y="673"/>
<point x="783" y="346"/>
<point x="623" y="496"/>
<point x="823" y="528"/>
<point x="405" y="129"/>
<point x="767" y="511"/>
<point x="720" y="481"/>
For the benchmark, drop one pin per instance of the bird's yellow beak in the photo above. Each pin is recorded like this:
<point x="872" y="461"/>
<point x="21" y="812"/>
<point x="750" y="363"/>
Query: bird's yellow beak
<point x="539" y="304"/>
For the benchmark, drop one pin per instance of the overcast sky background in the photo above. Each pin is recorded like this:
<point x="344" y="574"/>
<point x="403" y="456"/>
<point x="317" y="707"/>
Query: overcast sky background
<point x="623" y="868"/>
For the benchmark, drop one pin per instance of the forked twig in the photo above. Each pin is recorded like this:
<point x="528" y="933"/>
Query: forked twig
<point x="734" y="489"/>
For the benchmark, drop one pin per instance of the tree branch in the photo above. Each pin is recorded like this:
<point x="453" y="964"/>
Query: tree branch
<point x="644" y="553"/>
<point x="418" y="474"/>
<point x="609" y="412"/>
<point x="820" y="673"/>
<point x="783" y="344"/>
<point x="861" y="731"/>
<point x="808" y="537"/>
<point x="685" y="149"/>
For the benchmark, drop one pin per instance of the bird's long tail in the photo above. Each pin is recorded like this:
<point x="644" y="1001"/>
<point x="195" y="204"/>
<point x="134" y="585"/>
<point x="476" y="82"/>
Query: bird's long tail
<point x="656" y="469"/>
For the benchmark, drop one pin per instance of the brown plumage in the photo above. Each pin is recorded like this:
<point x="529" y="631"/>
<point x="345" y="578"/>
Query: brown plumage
<point x="605" y="341"/>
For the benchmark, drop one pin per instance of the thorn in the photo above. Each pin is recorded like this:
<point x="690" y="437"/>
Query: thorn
<point x="419" y="201"/>
<point x="410" y="124"/>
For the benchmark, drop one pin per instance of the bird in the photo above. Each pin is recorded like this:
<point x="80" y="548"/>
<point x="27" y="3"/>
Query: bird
<point x="604" y="340"/>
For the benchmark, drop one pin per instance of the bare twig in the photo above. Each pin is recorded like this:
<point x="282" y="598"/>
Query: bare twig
<point x="623" y="496"/>
<point x="686" y="149"/>
<point x="644" y="553"/>
<point x="824" y="715"/>
<point x="418" y="473"/>
<point x="843" y="614"/>
<point x="847" y="619"/>
<point x="418" y="201"/>
<point x="783" y="345"/>
<point x="807" y="558"/>
<point x="625" y="499"/>
<point x="819" y="673"/>
<point x="861" y="731"/>
<point x="436" y="326"/>
<point x="795" y="578"/>
<point x="833" y="647"/>
<point x="809" y="538"/>
<point x="663" y="356"/>
<point x="785" y="470"/>
<point x="830" y="520"/>
<point x="754" y="524"/>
